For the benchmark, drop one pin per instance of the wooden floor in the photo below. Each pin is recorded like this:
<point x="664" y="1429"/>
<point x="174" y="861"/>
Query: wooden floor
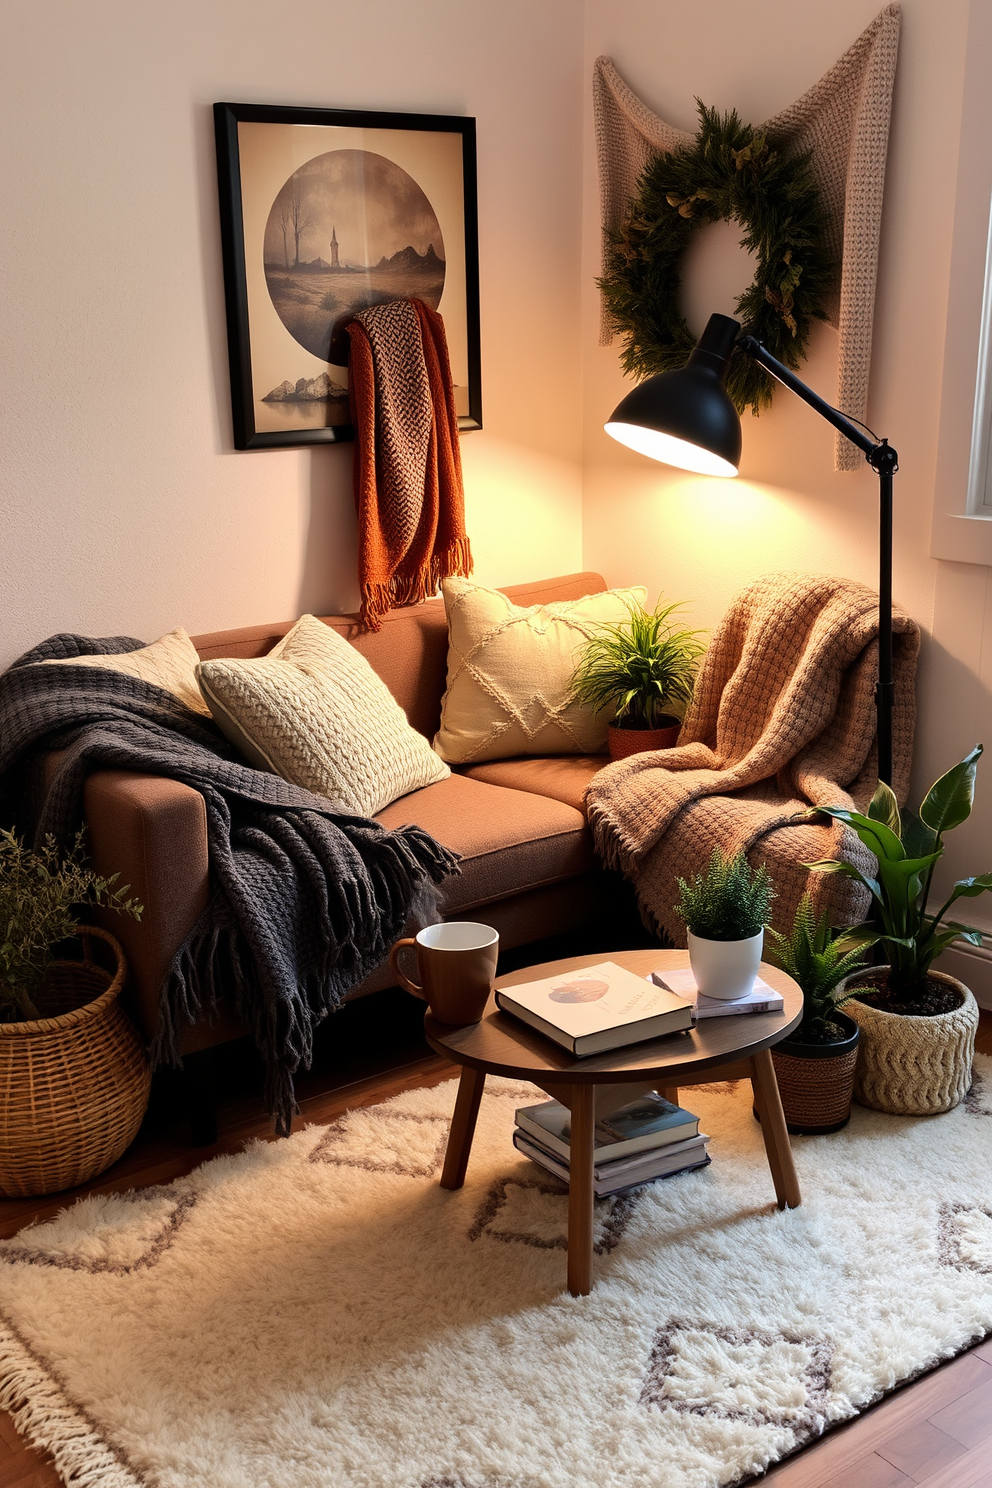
<point x="935" y="1433"/>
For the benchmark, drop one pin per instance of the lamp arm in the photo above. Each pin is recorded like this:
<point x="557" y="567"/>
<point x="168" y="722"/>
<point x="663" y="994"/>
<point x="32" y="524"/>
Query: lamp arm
<point x="885" y="462"/>
<point x="788" y="378"/>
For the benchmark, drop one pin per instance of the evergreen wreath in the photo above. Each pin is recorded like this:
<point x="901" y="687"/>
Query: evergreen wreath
<point x="729" y="173"/>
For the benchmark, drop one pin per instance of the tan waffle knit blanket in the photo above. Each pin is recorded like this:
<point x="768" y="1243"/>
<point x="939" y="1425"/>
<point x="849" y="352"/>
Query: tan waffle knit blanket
<point x="844" y="120"/>
<point x="408" y="471"/>
<point x="783" y="718"/>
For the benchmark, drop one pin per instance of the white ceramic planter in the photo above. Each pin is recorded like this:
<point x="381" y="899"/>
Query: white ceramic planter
<point x="725" y="968"/>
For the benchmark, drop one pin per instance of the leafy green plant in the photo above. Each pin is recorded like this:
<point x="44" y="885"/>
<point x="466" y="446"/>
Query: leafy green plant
<point x="908" y="847"/>
<point x="39" y="897"/>
<point x="729" y="901"/>
<point x="819" y="959"/>
<point x="639" y="667"/>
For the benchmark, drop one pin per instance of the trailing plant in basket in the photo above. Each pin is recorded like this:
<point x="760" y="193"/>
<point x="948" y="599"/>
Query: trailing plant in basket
<point x="729" y="901"/>
<point x="819" y="959"/>
<point x="640" y="667"/>
<point x="908" y="847"/>
<point x="40" y="895"/>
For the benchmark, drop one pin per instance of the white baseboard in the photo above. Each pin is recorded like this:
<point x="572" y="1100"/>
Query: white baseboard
<point x="973" y="966"/>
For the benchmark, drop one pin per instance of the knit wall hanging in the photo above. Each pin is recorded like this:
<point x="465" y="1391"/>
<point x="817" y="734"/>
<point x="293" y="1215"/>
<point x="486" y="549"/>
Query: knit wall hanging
<point x="838" y="133"/>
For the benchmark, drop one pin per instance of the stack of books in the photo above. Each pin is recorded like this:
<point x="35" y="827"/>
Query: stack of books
<point x="646" y="1139"/>
<point x="680" y="980"/>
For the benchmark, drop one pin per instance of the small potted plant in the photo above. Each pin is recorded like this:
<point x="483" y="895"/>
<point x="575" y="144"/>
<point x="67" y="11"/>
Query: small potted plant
<point x="725" y="910"/>
<point x="73" y="1068"/>
<point x="917" y="1024"/>
<point x="640" y="668"/>
<point x="815" y="1065"/>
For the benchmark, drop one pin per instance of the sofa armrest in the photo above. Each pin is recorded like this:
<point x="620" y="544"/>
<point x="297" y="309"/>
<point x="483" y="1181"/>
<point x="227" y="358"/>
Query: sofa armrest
<point x="152" y="832"/>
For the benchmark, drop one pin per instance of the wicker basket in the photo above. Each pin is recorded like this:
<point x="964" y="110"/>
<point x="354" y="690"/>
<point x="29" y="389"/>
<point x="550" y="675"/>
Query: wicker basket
<point x="911" y="1066"/>
<point x="75" y="1083"/>
<point x="815" y="1081"/>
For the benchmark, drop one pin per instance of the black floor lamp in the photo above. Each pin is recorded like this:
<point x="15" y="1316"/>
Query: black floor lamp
<point x="686" y="418"/>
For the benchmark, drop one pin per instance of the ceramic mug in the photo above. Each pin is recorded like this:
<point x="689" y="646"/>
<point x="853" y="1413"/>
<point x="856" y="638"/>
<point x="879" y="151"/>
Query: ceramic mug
<point x="457" y="966"/>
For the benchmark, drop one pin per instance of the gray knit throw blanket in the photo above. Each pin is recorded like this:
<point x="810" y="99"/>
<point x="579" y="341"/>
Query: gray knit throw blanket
<point x="305" y="899"/>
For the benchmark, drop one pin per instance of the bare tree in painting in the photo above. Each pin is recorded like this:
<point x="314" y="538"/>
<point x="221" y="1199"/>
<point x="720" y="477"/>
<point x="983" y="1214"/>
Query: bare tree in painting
<point x="299" y="215"/>
<point x="285" y="221"/>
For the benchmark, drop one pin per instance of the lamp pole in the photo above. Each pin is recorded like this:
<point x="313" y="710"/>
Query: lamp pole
<point x="885" y="462"/>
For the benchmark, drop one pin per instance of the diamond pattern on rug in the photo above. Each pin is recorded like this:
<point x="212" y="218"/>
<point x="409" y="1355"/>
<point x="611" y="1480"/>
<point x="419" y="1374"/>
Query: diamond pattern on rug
<point x="535" y="1213"/>
<point x="117" y="1233"/>
<point x="964" y="1237"/>
<point x="978" y="1101"/>
<point x="739" y="1374"/>
<point x="381" y="1139"/>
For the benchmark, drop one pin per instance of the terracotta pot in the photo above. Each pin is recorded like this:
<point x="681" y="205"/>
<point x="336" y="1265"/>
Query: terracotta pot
<point x="627" y="741"/>
<point x="816" y="1081"/>
<point x="913" y="1066"/>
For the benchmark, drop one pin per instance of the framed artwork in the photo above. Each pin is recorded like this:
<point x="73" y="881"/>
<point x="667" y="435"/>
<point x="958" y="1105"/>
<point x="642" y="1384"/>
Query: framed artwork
<point x="325" y="212"/>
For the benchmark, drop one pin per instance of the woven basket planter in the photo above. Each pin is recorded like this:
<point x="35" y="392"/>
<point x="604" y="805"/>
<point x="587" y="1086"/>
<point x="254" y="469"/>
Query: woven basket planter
<point x="816" y="1081"/>
<point x="74" y="1083"/>
<point x="911" y="1066"/>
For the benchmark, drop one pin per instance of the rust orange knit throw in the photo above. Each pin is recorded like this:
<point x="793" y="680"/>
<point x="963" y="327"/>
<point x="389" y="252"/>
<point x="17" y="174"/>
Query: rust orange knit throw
<point x="408" y="470"/>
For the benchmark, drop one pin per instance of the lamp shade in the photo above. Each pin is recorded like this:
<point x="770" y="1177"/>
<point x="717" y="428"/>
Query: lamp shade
<point x="686" y="418"/>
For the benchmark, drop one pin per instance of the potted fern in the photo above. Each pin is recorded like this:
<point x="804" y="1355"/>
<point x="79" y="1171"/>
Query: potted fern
<point x="73" y="1068"/>
<point x="815" y="1065"/>
<point x="641" y="668"/>
<point x="725" y="910"/>
<point x="917" y="1024"/>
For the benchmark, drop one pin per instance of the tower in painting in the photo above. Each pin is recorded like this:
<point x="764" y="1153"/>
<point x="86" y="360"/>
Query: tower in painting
<point x="335" y="261"/>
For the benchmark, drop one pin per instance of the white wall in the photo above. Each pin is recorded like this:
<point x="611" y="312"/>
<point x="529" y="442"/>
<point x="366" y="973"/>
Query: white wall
<point x="123" y="507"/>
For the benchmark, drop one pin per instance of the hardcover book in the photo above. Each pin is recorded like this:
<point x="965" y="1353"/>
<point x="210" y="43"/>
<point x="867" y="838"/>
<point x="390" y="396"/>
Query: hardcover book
<point x="598" y="1008"/>
<point x="680" y="980"/>
<point x="641" y="1125"/>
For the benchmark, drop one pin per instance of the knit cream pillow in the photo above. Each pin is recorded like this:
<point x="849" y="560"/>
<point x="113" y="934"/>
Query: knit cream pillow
<point x="314" y="712"/>
<point x="509" y="670"/>
<point x="170" y="663"/>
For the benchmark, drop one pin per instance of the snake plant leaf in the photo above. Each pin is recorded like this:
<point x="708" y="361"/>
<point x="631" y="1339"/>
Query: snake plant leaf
<point x="949" y="800"/>
<point x="970" y="933"/>
<point x="834" y="865"/>
<point x="970" y="888"/>
<point x="884" y="807"/>
<point x="917" y="838"/>
<point x="876" y="836"/>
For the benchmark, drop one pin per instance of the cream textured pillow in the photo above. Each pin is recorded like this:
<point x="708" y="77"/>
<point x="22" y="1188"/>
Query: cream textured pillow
<point x="509" y="670"/>
<point x="314" y="712"/>
<point x="170" y="663"/>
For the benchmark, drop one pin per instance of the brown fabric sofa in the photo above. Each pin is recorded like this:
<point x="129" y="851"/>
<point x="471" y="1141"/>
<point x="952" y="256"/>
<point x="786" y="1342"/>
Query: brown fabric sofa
<point x="527" y="863"/>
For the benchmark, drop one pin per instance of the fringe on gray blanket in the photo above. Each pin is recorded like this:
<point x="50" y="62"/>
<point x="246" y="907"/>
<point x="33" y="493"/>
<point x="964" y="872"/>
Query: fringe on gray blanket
<point x="305" y="899"/>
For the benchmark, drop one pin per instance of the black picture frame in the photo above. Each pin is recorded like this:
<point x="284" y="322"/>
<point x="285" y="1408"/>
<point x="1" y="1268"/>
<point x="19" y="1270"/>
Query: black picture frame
<point x="275" y="294"/>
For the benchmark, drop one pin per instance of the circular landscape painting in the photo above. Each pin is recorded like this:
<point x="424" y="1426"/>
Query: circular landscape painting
<point x="347" y="230"/>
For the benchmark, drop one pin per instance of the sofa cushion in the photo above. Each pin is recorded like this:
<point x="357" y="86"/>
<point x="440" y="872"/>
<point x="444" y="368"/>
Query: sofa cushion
<point x="508" y="840"/>
<point x="563" y="777"/>
<point x="314" y="712"/>
<point x="169" y="663"/>
<point x="510" y="669"/>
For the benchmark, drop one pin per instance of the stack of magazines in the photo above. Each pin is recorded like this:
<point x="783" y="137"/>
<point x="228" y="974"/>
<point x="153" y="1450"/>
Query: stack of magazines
<point x="646" y="1139"/>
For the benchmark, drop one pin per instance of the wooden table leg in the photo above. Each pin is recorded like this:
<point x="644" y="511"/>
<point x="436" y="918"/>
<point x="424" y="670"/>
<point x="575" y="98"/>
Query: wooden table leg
<point x="671" y="1093"/>
<point x="582" y="1103"/>
<point x="773" y="1131"/>
<point x="462" y="1129"/>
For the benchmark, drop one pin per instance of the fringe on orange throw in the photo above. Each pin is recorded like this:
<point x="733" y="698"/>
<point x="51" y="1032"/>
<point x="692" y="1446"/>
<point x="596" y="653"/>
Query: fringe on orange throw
<point x="408" y="469"/>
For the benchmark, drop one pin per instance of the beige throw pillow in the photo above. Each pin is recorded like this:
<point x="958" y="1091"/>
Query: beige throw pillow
<point x="314" y="712"/>
<point x="509" y="670"/>
<point x="170" y="663"/>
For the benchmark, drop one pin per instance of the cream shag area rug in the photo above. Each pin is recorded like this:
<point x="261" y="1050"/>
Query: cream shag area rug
<point x="317" y="1313"/>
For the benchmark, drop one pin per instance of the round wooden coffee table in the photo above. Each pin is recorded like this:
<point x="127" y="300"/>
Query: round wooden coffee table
<point x="730" y="1048"/>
